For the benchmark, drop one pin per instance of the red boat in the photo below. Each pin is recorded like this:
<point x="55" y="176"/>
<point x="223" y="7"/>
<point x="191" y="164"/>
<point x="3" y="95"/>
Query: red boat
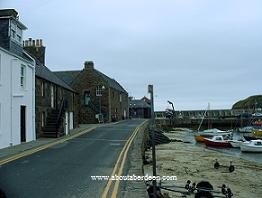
<point x="217" y="141"/>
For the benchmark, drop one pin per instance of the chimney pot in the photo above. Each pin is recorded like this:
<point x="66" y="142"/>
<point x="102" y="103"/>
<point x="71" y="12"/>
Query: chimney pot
<point x="37" y="43"/>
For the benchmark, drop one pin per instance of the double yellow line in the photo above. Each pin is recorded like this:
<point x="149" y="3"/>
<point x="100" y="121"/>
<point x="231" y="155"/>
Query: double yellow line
<point x="30" y="152"/>
<point x="123" y="153"/>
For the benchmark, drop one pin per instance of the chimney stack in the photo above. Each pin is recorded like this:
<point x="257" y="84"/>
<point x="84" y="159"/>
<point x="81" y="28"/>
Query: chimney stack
<point x="89" y="65"/>
<point x="35" y="48"/>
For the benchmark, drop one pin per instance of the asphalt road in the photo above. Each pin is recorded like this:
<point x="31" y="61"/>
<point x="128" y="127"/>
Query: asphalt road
<point x="64" y="170"/>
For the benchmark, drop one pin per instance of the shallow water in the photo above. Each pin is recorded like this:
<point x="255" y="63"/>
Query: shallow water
<point x="257" y="157"/>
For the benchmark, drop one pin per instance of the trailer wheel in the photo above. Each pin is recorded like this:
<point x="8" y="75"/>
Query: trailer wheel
<point x="231" y="168"/>
<point x="216" y="165"/>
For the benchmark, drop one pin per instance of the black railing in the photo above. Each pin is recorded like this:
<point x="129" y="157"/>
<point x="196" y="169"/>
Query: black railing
<point x="60" y="115"/>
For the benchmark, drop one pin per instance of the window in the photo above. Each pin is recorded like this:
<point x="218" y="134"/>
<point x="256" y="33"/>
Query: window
<point x="99" y="90"/>
<point x="22" y="76"/>
<point x="42" y="88"/>
<point x="19" y="35"/>
<point x="120" y="97"/>
<point x="16" y="32"/>
<point x="87" y="98"/>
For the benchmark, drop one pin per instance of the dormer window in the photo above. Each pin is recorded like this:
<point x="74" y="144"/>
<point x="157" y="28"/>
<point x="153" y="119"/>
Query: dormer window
<point x="16" y="32"/>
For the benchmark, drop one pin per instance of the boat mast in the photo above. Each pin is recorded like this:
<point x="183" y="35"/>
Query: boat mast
<point x="202" y="118"/>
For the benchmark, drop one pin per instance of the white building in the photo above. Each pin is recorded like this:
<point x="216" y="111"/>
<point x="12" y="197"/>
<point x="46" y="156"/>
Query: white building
<point x="17" y="83"/>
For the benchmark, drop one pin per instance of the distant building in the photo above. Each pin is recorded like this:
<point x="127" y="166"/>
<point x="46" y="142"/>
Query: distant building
<point x="140" y="108"/>
<point x="98" y="95"/>
<point x="56" y="102"/>
<point x="17" y="83"/>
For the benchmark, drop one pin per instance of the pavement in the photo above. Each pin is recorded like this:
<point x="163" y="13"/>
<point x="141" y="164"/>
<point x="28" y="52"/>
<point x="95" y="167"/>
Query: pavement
<point x="63" y="167"/>
<point x="14" y="150"/>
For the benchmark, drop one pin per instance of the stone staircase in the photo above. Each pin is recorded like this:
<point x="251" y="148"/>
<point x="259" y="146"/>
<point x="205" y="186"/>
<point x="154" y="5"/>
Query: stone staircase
<point x="53" y="123"/>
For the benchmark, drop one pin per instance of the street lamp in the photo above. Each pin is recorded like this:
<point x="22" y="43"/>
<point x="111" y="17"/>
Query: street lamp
<point x="172" y="105"/>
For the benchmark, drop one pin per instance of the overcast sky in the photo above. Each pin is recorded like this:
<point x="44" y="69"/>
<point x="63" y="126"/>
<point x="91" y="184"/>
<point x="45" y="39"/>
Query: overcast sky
<point x="192" y="51"/>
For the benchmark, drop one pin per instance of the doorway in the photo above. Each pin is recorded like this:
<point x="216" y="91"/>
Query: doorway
<point x="23" y="123"/>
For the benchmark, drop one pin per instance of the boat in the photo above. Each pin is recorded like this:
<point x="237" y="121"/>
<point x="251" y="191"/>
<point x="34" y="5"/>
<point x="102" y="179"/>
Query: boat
<point x="257" y="132"/>
<point x="252" y="146"/>
<point x="209" y="133"/>
<point x="249" y="138"/>
<point x="247" y="129"/>
<point x="217" y="141"/>
<point x="235" y="143"/>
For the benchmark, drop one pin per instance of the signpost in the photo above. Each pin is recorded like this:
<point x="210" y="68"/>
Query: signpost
<point x="151" y="92"/>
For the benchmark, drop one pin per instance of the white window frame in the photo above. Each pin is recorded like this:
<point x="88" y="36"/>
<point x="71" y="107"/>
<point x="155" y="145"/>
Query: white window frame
<point x="23" y="76"/>
<point x="99" y="90"/>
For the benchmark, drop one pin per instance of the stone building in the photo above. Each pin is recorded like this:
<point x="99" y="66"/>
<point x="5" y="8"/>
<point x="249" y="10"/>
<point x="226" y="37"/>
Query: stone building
<point x="101" y="97"/>
<point x="17" y="77"/>
<point x="56" y="102"/>
<point x="140" y="108"/>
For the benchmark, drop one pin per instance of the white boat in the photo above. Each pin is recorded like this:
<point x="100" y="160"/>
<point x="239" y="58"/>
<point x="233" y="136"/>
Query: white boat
<point x="252" y="146"/>
<point x="235" y="143"/>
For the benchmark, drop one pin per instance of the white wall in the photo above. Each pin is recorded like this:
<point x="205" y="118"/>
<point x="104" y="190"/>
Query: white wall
<point x="12" y="96"/>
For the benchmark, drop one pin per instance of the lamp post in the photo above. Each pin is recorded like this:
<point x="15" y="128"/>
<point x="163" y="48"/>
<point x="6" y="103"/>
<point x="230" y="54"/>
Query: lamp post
<point x="173" y="113"/>
<point x="172" y="105"/>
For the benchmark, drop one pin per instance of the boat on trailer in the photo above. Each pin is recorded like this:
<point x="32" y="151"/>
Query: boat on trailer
<point x="254" y="146"/>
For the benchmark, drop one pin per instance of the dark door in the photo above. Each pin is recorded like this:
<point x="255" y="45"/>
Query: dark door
<point x="22" y="123"/>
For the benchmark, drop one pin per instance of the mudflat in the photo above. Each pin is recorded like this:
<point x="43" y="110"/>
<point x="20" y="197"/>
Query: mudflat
<point x="190" y="162"/>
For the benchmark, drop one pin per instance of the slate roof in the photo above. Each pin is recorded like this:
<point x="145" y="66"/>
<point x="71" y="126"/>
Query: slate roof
<point x="69" y="76"/>
<point x="44" y="73"/>
<point x="138" y="104"/>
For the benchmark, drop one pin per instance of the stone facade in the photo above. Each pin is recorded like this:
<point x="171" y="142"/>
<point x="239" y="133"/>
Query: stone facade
<point x="99" y="93"/>
<point x="44" y="105"/>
